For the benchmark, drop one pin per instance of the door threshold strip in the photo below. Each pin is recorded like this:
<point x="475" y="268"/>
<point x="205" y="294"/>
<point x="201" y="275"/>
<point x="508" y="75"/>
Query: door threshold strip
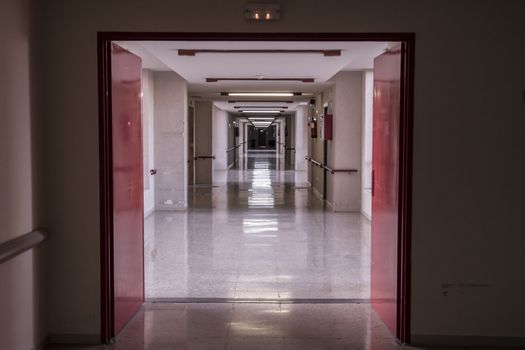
<point x="259" y="300"/>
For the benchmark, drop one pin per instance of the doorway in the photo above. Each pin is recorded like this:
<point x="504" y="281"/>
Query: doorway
<point x="402" y="233"/>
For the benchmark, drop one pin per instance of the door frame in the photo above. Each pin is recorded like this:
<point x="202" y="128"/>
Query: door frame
<point x="104" y="40"/>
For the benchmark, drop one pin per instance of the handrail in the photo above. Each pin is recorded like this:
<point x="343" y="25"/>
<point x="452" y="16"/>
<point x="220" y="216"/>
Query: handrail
<point x="233" y="148"/>
<point x="16" y="246"/>
<point x="314" y="161"/>
<point x="333" y="171"/>
<point x="327" y="168"/>
<point x="203" y="157"/>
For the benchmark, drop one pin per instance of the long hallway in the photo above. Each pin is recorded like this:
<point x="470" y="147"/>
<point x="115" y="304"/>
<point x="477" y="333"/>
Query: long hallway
<point x="258" y="233"/>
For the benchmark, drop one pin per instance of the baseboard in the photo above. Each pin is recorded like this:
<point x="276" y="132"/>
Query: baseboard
<point x="169" y="208"/>
<point x="329" y="205"/>
<point x="460" y="340"/>
<point x="80" y="339"/>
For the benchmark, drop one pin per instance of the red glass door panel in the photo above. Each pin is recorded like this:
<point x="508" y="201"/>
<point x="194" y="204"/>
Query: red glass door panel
<point x="128" y="202"/>
<point x="385" y="208"/>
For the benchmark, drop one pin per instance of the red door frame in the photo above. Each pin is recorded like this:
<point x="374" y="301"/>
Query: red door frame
<point x="104" y="40"/>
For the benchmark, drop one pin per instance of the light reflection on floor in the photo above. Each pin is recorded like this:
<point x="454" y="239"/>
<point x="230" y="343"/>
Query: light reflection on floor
<point x="259" y="234"/>
<point x="255" y="226"/>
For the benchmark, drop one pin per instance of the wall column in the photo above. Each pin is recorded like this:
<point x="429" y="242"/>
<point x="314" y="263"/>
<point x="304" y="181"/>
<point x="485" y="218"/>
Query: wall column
<point x="171" y="156"/>
<point x="219" y="138"/>
<point x="345" y="148"/>
<point x="301" y="137"/>
<point x="203" y="142"/>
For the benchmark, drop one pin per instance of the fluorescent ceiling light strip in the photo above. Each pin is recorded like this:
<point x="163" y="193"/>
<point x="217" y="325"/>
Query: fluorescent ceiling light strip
<point x="261" y="112"/>
<point x="265" y="94"/>
<point x="261" y="118"/>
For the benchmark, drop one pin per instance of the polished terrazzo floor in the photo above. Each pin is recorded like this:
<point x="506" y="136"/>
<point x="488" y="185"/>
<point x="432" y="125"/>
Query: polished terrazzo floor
<point x="253" y="327"/>
<point x="258" y="233"/>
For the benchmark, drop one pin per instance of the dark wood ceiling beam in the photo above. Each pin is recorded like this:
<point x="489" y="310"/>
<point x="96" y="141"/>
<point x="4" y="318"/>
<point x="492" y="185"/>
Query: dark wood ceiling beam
<point x="275" y="107"/>
<point x="303" y="80"/>
<point x="326" y="53"/>
<point x="259" y="101"/>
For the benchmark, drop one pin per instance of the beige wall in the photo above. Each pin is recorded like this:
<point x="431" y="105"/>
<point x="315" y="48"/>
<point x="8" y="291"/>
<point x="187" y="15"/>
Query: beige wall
<point x="366" y="143"/>
<point x="344" y="150"/>
<point x="148" y="139"/>
<point x="22" y="304"/>
<point x="468" y="140"/>
<point x="302" y="137"/>
<point x="220" y="132"/>
<point x="317" y="147"/>
<point x="203" y="137"/>
<point x="171" y="141"/>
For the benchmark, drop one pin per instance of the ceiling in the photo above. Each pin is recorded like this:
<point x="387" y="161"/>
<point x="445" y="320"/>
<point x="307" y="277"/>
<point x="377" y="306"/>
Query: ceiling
<point x="164" y="56"/>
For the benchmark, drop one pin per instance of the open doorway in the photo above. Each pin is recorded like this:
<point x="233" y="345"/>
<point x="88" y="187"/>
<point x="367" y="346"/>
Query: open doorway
<point x="393" y="296"/>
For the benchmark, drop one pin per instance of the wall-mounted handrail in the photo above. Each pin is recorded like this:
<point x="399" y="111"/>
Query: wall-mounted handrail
<point x="203" y="157"/>
<point x="333" y="171"/>
<point x="311" y="160"/>
<point x="327" y="168"/>
<point x="16" y="246"/>
<point x="233" y="148"/>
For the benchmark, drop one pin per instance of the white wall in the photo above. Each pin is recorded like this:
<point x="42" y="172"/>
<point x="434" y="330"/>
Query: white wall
<point x="366" y="141"/>
<point x="467" y="227"/>
<point x="22" y="325"/>
<point x="171" y="141"/>
<point x="148" y="139"/>
<point x="301" y="137"/>
<point x="219" y="138"/>
<point x="344" y="152"/>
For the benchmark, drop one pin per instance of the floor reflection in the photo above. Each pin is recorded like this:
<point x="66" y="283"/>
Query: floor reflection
<point x="259" y="232"/>
<point x="261" y="236"/>
<point x="251" y="326"/>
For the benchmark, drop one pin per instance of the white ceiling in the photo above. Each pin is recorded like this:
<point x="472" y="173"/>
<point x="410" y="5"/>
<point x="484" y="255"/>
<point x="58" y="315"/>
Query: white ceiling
<point x="163" y="56"/>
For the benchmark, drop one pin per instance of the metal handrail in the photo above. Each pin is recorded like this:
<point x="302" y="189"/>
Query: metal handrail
<point x="330" y="170"/>
<point x="233" y="148"/>
<point x="203" y="157"/>
<point x="333" y="171"/>
<point x="314" y="162"/>
<point x="17" y="246"/>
